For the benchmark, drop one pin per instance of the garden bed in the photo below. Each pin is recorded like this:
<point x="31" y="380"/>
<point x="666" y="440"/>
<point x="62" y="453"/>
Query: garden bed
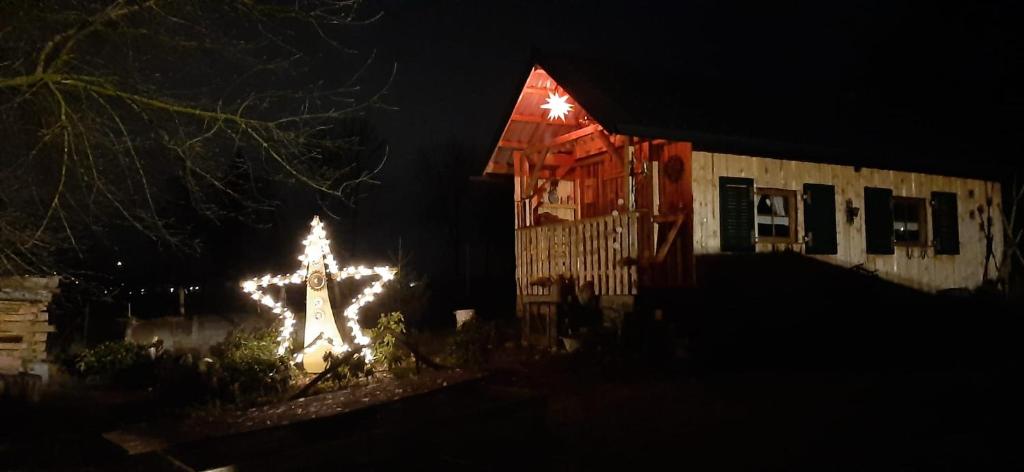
<point x="147" y="437"/>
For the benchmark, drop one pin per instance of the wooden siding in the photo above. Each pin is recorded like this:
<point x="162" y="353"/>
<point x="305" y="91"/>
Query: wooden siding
<point x="601" y="185"/>
<point x="24" y="322"/>
<point x="918" y="267"/>
<point x="587" y="250"/>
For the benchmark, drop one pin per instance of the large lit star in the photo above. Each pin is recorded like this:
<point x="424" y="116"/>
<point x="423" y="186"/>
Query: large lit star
<point x="317" y="263"/>
<point x="557" y="106"/>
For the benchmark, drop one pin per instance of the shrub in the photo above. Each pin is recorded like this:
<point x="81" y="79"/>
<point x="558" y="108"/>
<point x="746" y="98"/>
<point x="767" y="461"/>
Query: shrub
<point x="246" y="366"/>
<point x="112" y="361"/>
<point x="469" y="344"/>
<point x="386" y="353"/>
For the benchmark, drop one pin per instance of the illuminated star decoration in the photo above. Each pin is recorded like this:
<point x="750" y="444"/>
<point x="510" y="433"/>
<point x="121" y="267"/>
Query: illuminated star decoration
<point x="557" y="106"/>
<point x="317" y="247"/>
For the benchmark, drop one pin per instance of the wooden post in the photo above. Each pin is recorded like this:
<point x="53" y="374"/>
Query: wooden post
<point x="628" y="173"/>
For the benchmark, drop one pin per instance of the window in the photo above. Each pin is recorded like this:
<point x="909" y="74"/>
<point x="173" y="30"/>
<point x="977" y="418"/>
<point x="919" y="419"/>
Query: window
<point x="945" y="223"/>
<point x="736" y="213"/>
<point x="908" y="221"/>
<point x="776" y="215"/>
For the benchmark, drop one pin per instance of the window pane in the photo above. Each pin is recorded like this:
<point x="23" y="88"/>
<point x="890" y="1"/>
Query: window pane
<point x="780" y="213"/>
<point x="773" y="215"/>
<point x="764" y="216"/>
<point x="764" y="205"/>
<point x="907" y="217"/>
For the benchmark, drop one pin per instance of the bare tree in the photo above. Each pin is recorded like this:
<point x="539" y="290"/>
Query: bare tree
<point x="1013" y="236"/>
<point x="107" y="105"/>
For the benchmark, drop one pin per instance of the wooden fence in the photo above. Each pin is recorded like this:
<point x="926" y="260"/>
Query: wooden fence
<point x="602" y="250"/>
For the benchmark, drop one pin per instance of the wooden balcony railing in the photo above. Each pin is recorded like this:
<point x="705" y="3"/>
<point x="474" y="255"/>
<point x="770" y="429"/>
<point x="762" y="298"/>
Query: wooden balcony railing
<point x="602" y="250"/>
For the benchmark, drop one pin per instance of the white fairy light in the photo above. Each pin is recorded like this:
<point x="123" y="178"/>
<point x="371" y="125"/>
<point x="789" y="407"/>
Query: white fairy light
<point x="316" y="245"/>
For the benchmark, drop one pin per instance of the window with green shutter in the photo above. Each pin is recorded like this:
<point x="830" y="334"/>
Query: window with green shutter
<point x="909" y="221"/>
<point x="736" y="213"/>
<point x="878" y="220"/>
<point x="820" y="219"/>
<point x="776" y="216"/>
<point x="945" y="223"/>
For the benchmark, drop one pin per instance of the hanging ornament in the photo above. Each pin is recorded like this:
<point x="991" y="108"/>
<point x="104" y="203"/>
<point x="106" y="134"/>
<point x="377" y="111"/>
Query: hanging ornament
<point x="557" y="106"/>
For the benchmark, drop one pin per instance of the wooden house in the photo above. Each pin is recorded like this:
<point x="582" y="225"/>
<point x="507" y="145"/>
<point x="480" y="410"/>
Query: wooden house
<point x="626" y="186"/>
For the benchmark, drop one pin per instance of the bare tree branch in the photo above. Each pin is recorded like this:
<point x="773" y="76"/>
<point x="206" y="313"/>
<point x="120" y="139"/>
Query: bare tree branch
<point x="120" y="109"/>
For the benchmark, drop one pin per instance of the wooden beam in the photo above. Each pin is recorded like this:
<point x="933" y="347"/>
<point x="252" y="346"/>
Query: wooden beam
<point x="559" y="174"/>
<point x="669" y="239"/>
<point x="572" y="136"/>
<point x="543" y="150"/>
<point x="535" y="167"/>
<point x="528" y="118"/>
<point x="559" y="140"/>
<point x="608" y="145"/>
<point x="537" y="90"/>
<point x="512" y="144"/>
<point x="542" y="120"/>
<point x="550" y="159"/>
<point x="560" y="160"/>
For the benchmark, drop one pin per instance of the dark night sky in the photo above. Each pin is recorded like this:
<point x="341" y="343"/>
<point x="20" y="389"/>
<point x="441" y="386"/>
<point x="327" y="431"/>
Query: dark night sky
<point x="460" y="63"/>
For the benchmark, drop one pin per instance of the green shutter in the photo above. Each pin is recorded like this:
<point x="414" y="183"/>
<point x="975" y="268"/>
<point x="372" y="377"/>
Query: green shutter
<point x="736" y="213"/>
<point x="820" y="219"/>
<point x="878" y="220"/>
<point x="945" y="223"/>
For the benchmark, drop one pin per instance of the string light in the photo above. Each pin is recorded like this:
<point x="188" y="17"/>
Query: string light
<point x="318" y="246"/>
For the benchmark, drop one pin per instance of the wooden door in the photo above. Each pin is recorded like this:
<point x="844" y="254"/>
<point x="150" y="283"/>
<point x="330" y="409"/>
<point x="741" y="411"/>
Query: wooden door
<point x="673" y="257"/>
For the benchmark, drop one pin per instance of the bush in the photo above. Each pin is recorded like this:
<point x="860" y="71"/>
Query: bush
<point x="113" y="361"/>
<point x="386" y="353"/>
<point x="243" y="368"/>
<point x="246" y="366"/>
<point x="469" y="344"/>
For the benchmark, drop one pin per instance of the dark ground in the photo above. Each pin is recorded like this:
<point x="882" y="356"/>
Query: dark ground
<point x="871" y="377"/>
<point x="597" y="415"/>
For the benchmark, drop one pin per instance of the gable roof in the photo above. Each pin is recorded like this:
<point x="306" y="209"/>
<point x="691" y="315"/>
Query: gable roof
<point x="774" y="114"/>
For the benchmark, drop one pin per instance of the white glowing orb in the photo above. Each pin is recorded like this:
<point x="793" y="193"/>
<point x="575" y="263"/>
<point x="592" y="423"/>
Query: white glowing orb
<point x="557" y="106"/>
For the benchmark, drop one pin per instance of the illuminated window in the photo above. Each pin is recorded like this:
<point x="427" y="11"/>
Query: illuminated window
<point x="908" y="221"/>
<point x="776" y="215"/>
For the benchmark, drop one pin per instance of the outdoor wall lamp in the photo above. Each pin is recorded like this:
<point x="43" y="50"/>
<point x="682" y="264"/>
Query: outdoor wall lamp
<point x="851" y="211"/>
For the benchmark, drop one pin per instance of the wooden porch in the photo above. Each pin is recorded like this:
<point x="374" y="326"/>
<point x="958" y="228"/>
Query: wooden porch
<point x="603" y="250"/>
<point x="555" y="258"/>
<point x="597" y="214"/>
